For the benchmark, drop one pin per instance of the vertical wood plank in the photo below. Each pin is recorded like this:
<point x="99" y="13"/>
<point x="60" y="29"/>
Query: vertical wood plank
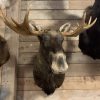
<point x="2" y="31"/>
<point x="8" y="89"/>
<point x="60" y="95"/>
<point x="8" y="80"/>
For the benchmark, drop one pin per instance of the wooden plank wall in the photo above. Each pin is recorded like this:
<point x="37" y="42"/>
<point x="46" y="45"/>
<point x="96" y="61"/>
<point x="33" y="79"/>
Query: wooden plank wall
<point x="83" y="76"/>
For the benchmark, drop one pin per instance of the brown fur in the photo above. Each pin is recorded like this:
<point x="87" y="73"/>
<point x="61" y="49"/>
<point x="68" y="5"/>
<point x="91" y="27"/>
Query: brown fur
<point x="4" y="52"/>
<point x="43" y="75"/>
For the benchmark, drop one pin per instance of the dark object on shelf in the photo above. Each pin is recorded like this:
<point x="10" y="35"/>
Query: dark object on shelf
<point x="4" y="51"/>
<point x="89" y="41"/>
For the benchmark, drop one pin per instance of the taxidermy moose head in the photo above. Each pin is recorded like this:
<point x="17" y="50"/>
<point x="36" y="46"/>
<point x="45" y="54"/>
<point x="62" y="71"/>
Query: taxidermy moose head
<point x="50" y="63"/>
<point x="89" y="41"/>
<point x="4" y="51"/>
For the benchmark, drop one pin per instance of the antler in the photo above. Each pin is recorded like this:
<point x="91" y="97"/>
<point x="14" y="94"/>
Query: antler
<point x="80" y="27"/>
<point x="25" y="28"/>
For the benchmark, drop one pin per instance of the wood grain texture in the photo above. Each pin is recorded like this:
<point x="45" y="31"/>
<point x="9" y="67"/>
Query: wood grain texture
<point x="79" y="4"/>
<point x="74" y="70"/>
<point x="53" y="0"/>
<point x="69" y="46"/>
<point x="70" y="83"/>
<point x="64" y="4"/>
<point x="35" y="39"/>
<point x="72" y="58"/>
<point x="60" y="95"/>
<point x="53" y="14"/>
<point x="1" y="22"/>
<point x="8" y="80"/>
<point x="45" y="5"/>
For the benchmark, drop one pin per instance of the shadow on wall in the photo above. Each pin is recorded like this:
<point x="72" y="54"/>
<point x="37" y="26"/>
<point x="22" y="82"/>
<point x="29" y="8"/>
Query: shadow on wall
<point x="62" y="12"/>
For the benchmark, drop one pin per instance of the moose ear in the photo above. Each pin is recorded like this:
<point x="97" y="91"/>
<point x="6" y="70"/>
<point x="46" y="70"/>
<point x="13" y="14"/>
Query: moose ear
<point x="65" y="27"/>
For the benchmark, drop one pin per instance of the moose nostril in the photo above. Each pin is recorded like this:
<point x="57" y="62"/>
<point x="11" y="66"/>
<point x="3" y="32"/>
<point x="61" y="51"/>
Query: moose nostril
<point x="61" y="61"/>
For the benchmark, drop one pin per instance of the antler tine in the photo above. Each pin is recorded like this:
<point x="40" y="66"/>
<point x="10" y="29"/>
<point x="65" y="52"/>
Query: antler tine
<point x="23" y="28"/>
<point x="6" y="21"/>
<point x="81" y="27"/>
<point x="90" y="25"/>
<point x="25" y="22"/>
<point x="15" y="22"/>
<point x="90" y="20"/>
<point x="26" y="18"/>
<point x="84" y="17"/>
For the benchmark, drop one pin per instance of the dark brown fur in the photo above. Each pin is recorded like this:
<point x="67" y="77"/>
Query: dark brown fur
<point x="4" y="52"/>
<point x="43" y="75"/>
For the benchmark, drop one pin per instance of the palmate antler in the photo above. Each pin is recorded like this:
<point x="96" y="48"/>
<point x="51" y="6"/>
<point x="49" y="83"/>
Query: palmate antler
<point x="24" y="28"/>
<point x="80" y="27"/>
<point x="27" y="28"/>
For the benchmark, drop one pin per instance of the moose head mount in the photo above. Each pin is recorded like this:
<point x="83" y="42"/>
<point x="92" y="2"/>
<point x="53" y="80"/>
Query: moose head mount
<point x="50" y="63"/>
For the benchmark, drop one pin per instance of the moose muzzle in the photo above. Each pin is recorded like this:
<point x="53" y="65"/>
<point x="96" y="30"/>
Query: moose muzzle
<point x="59" y="63"/>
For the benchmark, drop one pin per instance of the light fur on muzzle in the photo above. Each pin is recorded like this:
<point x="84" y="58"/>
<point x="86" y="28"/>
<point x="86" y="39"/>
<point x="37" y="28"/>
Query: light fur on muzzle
<point x="59" y="63"/>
